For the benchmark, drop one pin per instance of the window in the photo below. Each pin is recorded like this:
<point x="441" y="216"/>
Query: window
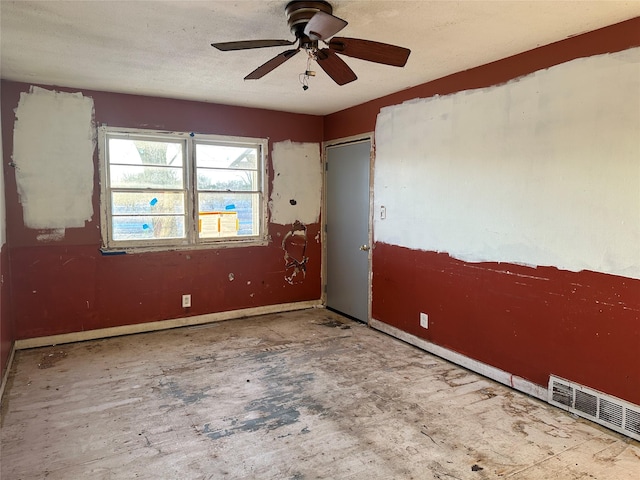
<point x="162" y="190"/>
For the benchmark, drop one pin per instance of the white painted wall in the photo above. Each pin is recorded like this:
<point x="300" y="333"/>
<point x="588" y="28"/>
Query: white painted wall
<point x="54" y="141"/>
<point x="297" y="171"/>
<point x="543" y="170"/>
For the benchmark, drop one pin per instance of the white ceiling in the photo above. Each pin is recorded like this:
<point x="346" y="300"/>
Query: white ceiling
<point x="162" y="48"/>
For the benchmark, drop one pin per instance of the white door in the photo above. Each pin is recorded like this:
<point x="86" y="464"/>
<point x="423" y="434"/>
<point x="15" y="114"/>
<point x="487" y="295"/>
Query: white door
<point x="347" y="227"/>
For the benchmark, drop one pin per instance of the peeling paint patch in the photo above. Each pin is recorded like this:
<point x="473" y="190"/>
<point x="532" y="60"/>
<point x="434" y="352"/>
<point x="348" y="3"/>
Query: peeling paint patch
<point x="297" y="183"/>
<point x="54" y="143"/>
<point x="294" y="245"/>
<point x="53" y="235"/>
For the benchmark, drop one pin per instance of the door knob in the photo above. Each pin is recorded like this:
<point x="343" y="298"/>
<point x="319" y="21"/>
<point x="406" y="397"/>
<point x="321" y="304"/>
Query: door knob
<point x="364" y="248"/>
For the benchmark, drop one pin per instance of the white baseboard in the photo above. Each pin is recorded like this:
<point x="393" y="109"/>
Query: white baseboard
<point x="5" y="376"/>
<point x="162" y="324"/>
<point x="506" y="378"/>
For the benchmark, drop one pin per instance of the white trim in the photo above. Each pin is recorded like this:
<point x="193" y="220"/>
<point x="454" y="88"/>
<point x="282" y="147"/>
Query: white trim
<point x="163" y="324"/>
<point x="363" y="137"/>
<point x="506" y="378"/>
<point x="5" y="377"/>
<point x="189" y="189"/>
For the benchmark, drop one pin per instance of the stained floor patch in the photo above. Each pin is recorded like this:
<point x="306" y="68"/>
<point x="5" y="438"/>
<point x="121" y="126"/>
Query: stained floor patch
<point x="50" y="359"/>
<point x="279" y="405"/>
<point x="334" y="324"/>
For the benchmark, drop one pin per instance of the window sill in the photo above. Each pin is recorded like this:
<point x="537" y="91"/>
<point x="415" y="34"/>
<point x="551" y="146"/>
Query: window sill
<point x="132" y="250"/>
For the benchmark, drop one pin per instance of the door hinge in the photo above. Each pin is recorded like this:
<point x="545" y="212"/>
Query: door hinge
<point x="326" y="166"/>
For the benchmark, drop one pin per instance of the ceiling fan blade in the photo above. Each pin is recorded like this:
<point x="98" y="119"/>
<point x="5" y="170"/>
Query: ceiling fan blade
<point x="335" y="67"/>
<point x="276" y="61"/>
<point x="323" y="25"/>
<point x="247" y="44"/>
<point x="371" y="51"/>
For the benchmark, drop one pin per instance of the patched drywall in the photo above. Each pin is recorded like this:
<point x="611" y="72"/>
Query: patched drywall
<point x="294" y="245"/>
<point x="53" y="146"/>
<point x="297" y="183"/>
<point x="543" y="170"/>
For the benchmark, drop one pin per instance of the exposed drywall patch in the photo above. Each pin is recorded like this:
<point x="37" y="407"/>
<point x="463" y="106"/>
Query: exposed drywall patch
<point x="54" y="142"/>
<point x="294" y="245"/>
<point x="297" y="183"/>
<point x="53" y="235"/>
<point x="544" y="170"/>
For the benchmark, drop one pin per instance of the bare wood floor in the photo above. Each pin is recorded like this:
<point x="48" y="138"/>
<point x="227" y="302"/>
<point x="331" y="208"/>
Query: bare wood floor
<point x="301" y="395"/>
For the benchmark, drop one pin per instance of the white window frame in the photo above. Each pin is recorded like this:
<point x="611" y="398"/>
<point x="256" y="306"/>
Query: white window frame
<point x="192" y="239"/>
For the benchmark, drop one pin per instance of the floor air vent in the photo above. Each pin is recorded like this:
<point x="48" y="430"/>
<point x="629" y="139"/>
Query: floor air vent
<point x="612" y="412"/>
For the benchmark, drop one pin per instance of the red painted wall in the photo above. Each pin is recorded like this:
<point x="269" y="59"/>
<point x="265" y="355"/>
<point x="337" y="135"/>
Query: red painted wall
<point x="7" y="333"/>
<point x="68" y="286"/>
<point x="583" y="326"/>
<point x="532" y="322"/>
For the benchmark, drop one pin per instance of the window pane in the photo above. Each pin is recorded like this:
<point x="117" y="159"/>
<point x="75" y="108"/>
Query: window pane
<point x="138" y="152"/>
<point x="148" y="227"/>
<point x="147" y="203"/>
<point x="238" y="180"/>
<point x="129" y="176"/>
<point x="219" y="212"/>
<point x="221" y="156"/>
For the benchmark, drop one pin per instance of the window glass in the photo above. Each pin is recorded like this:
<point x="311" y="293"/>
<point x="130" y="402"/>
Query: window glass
<point x="227" y="180"/>
<point x="147" y="227"/>
<point x="129" y="176"/>
<point x="224" y="156"/>
<point x="145" y="152"/>
<point x="238" y="207"/>
<point x="146" y="203"/>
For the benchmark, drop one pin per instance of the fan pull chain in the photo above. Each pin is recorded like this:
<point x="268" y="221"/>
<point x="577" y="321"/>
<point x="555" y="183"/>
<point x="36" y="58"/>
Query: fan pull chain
<point x="304" y="77"/>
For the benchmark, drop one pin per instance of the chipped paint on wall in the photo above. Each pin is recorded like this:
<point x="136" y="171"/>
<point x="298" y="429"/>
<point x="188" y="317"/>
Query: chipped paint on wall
<point x="541" y="171"/>
<point x="297" y="183"/>
<point x="294" y="245"/>
<point x="53" y="235"/>
<point x="54" y="143"/>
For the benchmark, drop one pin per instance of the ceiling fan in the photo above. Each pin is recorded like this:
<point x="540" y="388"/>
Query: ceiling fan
<point x="312" y="22"/>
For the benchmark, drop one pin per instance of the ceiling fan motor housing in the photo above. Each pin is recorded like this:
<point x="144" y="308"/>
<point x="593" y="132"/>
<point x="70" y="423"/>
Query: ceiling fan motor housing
<point x="300" y="12"/>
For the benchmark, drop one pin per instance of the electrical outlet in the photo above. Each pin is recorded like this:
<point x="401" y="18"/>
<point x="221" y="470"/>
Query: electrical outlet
<point x="424" y="320"/>
<point x="186" y="301"/>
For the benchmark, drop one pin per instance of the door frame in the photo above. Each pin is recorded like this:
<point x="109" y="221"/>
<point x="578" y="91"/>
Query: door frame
<point x="364" y="137"/>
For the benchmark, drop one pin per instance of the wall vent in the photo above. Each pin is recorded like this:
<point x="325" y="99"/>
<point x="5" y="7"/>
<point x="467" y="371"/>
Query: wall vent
<point x="611" y="412"/>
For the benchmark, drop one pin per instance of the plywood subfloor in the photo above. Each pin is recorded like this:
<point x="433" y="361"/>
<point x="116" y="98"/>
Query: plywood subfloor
<point x="301" y="395"/>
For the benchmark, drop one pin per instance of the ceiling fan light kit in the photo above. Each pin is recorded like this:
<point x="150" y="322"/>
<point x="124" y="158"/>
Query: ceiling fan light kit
<point x="312" y="22"/>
